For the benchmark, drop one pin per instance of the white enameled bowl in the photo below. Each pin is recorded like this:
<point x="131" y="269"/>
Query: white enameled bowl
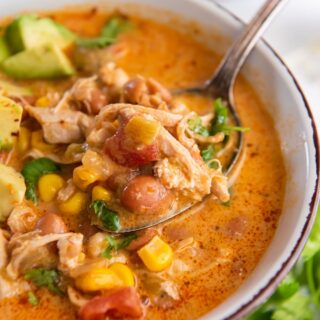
<point x="292" y="117"/>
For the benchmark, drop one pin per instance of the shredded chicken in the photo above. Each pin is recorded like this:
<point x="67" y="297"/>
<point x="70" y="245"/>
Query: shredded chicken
<point x="70" y="155"/>
<point x="96" y="244"/>
<point x="11" y="288"/>
<point x="67" y="126"/>
<point x="163" y="291"/>
<point x="179" y="170"/>
<point x="67" y="191"/>
<point x="22" y="219"/>
<point x="70" y="249"/>
<point x="3" y="249"/>
<point x="114" y="78"/>
<point x="30" y="250"/>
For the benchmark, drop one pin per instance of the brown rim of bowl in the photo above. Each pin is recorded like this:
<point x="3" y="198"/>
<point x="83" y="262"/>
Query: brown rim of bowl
<point x="268" y="289"/>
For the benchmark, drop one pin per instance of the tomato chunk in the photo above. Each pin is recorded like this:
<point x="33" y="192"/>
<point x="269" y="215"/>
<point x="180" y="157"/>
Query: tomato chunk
<point x="124" y="302"/>
<point x="126" y="153"/>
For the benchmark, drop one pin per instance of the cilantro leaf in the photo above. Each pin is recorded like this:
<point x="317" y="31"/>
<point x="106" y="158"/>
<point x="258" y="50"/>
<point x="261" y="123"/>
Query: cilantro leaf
<point x="296" y="307"/>
<point x="117" y="244"/>
<point x="288" y="287"/>
<point x="195" y="124"/>
<point x="208" y="153"/>
<point x="32" y="298"/>
<point x="220" y="120"/>
<point x="109" y="218"/>
<point x="313" y="244"/>
<point x="41" y="277"/>
<point x="108" y="35"/>
<point x="32" y="171"/>
<point x="298" y="295"/>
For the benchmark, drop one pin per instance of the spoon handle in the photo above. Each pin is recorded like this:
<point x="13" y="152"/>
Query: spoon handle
<point x="224" y="77"/>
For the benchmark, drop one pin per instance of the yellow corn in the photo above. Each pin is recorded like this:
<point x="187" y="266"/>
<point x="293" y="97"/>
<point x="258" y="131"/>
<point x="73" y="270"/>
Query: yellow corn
<point x="81" y="257"/>
<point x="82" y="177"/>
<point x="43" y="102"/>
<point x="98" y="278"/>
<point x="37" y="142"/>
<point x="118" y="275"/>
<point x="49" y="185"/>
<point x="157" y="255"/>
<point x="124" y="273"/>
<point x="116" y="123"/>
<point x="75" y="204"/>
<point x="142" y="130"/>
<point x="101" y="193"/>
<point x="24" y="140"/>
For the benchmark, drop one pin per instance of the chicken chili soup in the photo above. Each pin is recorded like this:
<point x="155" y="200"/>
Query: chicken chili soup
<point x="92" y="141"/>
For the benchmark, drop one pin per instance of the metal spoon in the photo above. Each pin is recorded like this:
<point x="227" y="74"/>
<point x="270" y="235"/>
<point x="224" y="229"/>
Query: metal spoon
<point x="222" y="84"/>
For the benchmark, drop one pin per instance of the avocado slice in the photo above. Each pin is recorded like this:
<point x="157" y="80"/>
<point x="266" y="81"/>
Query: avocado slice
<point x="29" y="31"/>
<point x="45" y="62"/>
<point x="12" y="190"/>
<point x="10" y="89"/>
<point x="4" y="50"/>
<point x="10" y="118"/>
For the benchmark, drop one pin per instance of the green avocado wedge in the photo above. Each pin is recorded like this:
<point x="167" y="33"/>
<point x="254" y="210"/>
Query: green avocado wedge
<point x="4" y="50"/>
<point x="29" y="31"/>
<point x="44" y="62"/>
<point x="10" y="118"/>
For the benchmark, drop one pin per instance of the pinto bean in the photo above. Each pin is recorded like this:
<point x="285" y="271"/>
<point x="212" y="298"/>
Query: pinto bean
<point x="98" y="100"/>
<point x="51" y="223"/>
<point x="147" y="92"/>
<point x="146" y="194"/>
<point x="143" y="238"/>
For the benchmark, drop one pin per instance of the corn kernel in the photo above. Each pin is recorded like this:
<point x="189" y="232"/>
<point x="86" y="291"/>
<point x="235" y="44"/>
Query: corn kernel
<point x="37" y="142"/>
<point x="142" y="130"/>
<point x="24" y="140"/>
<point x="116" y="123"/>
<point x="82" y="177"/>
<point x="124" y="273"/>
<point x="43" y="102"/>
<point x="98" y="278"/>
<point x="157" y="255"/>
<point x="75" y="204"/>
<point x="81" y="257"/>
<point x="49" y="185"/>
<point x="101" y="193"/>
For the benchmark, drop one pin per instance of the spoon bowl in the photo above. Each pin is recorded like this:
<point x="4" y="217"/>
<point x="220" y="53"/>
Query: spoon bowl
<point x="221" y="85"/>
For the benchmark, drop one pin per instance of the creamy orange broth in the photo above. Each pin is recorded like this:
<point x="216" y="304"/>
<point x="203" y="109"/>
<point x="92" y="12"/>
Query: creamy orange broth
<point x="231" y="238"/>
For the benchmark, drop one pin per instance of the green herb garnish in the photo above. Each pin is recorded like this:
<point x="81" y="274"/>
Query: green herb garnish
<point x="220" y="120"/>
<point x="195" y="124"/>
<point x="32" y="298"/>
<point x="49" y="278"/>
<point x="117" y="244"/>
<point x="208" y="153"/>
<point x="109" y="218"/>
<point x="32" y="171"/>
<point x="298" y="295"/>
<point x="109" y="33"/>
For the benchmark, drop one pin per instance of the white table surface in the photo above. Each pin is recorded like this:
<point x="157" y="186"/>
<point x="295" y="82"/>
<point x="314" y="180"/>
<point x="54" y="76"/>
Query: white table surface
<point x="295" y="35"/>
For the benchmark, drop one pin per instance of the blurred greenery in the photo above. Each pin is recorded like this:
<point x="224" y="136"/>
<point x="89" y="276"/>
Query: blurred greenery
<point x="298" y="295"/>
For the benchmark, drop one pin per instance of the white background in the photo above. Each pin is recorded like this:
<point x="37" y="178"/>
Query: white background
<point x="295" y="35"/>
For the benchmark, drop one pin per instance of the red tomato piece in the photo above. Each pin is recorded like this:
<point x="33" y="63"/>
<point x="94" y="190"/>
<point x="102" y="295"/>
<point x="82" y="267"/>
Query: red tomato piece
<point x="124" y="302"/>
<point x="127" y="154"/>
